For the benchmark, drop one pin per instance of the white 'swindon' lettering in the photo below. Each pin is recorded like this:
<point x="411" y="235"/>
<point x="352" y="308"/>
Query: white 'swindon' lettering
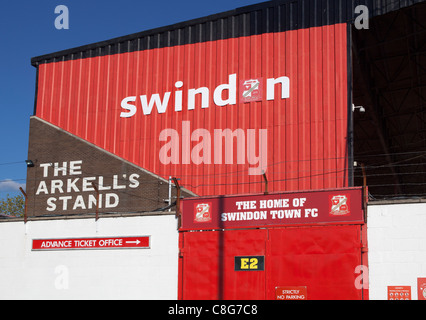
<point x="223" y="95"/>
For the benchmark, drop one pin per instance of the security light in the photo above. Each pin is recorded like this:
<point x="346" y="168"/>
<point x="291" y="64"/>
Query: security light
<point x="29" y="163"/>
<point x="361" y="108"/>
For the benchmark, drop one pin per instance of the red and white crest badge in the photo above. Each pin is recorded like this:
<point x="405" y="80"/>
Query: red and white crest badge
<point x="203" y="212"/>
<point x="251" y="90"/>
<point x="339" y="205"/>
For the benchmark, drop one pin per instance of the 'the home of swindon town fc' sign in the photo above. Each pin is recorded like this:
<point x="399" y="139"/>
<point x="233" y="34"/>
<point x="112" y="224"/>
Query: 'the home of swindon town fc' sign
<point x="334" y="206"/>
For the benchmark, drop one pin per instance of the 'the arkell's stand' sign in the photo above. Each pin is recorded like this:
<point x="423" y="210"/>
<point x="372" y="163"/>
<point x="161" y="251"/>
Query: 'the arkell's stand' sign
<point x="281" y="209"/>
<point x="68" y="180"/>
<point x="139" y="242"/>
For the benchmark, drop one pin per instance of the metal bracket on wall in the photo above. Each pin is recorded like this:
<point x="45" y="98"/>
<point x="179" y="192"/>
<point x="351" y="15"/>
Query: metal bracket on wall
<point x="26" y="201"/>
<point x="266" y="183"/>
<point x="178" y="212"/>
<point x="97" y="201"/>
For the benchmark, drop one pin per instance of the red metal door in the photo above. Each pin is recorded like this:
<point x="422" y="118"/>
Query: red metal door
<point x="208" y="265"/>
<point x="323" y="259"/>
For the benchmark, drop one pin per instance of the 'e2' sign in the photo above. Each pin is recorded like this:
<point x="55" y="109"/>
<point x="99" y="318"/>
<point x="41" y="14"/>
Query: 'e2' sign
<point x="249" y="263"/>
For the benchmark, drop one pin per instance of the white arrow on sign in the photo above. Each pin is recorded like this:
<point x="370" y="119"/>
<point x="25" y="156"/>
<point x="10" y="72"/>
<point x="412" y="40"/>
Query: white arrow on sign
<point x="136" y="242"/>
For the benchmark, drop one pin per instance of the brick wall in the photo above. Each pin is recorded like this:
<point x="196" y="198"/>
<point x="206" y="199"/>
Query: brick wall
<point x="65" y="167"/>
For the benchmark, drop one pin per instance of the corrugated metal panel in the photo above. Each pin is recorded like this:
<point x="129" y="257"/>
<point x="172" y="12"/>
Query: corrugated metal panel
<point x="81" y="89"/>
<point x="208" y="265"/>
<point x="322" y="259"/>
<point x="306" y="140"/>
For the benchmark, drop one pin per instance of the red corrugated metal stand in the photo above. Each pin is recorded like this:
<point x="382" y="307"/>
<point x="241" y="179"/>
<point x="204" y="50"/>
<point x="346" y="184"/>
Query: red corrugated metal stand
<point x="319" y="249"/>
<point x="306" y="132"/>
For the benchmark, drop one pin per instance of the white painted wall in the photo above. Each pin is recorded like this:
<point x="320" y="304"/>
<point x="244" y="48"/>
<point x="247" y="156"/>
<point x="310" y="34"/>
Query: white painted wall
<point x="396" y="247"/>
<point x="90" y="274"/>
<point x="396" y="242"/>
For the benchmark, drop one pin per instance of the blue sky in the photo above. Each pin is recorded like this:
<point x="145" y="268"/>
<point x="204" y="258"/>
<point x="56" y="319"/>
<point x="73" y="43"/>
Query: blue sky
<point x="27" y="29"/>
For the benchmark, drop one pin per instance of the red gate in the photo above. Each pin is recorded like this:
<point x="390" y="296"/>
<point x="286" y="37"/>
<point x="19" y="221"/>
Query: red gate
<point x="242" y="247"/>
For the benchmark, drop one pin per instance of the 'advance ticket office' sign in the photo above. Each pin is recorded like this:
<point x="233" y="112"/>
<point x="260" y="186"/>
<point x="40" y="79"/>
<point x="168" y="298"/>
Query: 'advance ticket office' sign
<point x="139" y="242"/>
<point x="296" y="208"/>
